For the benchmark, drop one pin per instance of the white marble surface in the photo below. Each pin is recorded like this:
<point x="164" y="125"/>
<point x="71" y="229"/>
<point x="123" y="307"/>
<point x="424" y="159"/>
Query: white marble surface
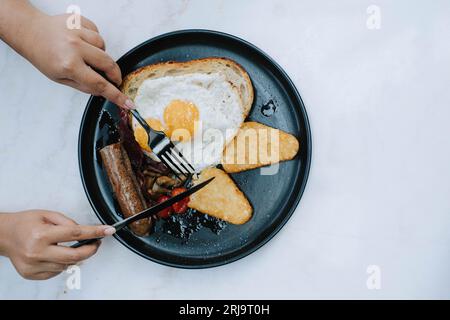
<point x="379" y="189"/>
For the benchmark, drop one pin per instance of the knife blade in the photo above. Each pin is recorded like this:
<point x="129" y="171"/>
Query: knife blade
<point x="148" y="212"/>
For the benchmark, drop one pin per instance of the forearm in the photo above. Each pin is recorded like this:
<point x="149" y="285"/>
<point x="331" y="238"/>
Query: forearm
<point x="16" y="19"/>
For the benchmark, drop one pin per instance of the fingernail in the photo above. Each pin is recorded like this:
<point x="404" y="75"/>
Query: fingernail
<point x="109" y="231"/>
<point x="129" y="104"/>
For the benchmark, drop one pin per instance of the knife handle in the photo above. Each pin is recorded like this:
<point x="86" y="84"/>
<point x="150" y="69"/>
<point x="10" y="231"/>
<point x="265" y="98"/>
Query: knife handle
<point x="84" y="242"/>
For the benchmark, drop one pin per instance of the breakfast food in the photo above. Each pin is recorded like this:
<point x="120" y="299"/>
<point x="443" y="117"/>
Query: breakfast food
<point x="221" y="198"/>
<point x="201" y="103"/>
<point x="125" y="185"/>
<point x="258" y="145"/>
<point x="233" y="72"/>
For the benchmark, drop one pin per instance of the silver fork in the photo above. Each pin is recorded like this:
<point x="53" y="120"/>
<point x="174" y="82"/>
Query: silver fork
<point x="165" y="150"/>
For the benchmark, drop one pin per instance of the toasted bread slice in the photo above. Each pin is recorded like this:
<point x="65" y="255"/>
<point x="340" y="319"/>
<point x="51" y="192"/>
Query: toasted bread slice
<point x="221" y="198"/>
<point x="257" y="145"/>
<point x="234" y="73"/>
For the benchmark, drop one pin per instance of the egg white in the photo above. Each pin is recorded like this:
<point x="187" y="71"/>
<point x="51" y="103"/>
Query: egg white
<point x="219" y="105"/>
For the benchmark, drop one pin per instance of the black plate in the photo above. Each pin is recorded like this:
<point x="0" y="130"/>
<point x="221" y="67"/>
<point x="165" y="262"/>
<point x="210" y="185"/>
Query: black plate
<point x="273" y="197"/>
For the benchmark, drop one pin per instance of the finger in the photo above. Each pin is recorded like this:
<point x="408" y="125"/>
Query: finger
<point x="57" y="218"/>
<point x="58" y="234"/>
<point x="85" y="22"/>
<point x="71" y="256"/>
<point x="75" y="85"/>
<point x="92" y="38"/>
<point x="100" y="60"/>
<point x="52" y="267"/>
<point x="44" y="275"/>
<point x="101" y="87"/>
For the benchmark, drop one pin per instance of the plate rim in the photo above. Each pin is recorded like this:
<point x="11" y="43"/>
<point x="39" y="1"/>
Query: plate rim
<point x="307" y="164"/>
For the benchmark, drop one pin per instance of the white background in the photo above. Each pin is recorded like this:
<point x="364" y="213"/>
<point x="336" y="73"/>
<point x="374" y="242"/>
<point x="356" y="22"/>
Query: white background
<point x="379" y="188"/>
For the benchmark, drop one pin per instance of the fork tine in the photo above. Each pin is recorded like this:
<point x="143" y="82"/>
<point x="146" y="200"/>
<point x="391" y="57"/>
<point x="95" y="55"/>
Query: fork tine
<point x="179" y="165"/>
<point x="169" y="162"/>
<point x="180" y="155"/>
<point x="188" y="180"/>
<point x="182" y="160"/>
<point x="175" y="154"/>
<point x="170" y="165"/>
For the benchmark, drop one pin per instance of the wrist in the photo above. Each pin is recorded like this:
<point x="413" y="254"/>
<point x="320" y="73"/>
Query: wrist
<point x="29" y="45"/>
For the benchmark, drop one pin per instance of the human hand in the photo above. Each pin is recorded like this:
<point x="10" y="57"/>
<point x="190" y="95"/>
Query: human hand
<point x="32" y="240"/>
<point x="73" y="56"/>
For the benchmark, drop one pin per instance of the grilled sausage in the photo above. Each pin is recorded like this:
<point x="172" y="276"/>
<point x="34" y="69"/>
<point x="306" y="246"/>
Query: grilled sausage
<point x="125" y="186"/>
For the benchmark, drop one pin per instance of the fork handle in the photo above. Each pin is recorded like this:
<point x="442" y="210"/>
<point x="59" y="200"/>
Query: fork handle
<point x="141" y="120"/>
<point x="154" y="136"/>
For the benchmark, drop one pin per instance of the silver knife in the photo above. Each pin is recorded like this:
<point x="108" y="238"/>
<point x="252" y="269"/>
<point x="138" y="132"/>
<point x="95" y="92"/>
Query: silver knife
<point x="148" y="212"/>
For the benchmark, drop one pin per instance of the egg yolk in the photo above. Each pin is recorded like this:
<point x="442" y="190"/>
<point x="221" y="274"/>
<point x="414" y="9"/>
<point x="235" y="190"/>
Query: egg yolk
<point x="141" y="136"/>
<point x="180" y="117"/>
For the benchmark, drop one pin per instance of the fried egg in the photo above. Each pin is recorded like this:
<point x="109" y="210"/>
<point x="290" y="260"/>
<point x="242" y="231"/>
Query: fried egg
<point x="202" y="112"/>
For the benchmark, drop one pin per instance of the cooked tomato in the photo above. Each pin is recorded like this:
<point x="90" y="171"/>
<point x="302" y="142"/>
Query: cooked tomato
<point x="180" y="206"/>
<point x="164" y="214"/>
